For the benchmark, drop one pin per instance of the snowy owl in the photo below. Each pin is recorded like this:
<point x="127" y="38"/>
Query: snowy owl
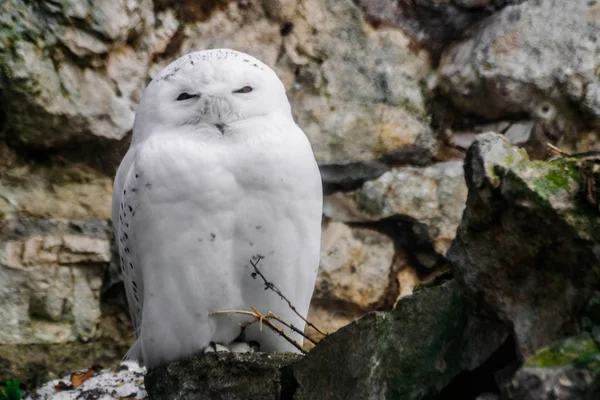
<point x="218" y="174"/>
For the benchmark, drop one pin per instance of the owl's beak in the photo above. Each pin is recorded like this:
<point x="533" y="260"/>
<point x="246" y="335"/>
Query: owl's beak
<point x="215" y="109"/>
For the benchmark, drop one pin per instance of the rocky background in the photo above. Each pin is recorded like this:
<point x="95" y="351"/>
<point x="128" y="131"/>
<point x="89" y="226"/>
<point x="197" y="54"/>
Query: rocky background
<point x="391" y="94"/>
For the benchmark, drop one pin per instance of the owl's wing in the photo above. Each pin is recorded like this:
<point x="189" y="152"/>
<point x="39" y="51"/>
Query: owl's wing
<point x="124" y="205"/>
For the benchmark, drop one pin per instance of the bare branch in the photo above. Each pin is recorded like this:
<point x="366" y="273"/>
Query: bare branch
<point x="271" y="286"/>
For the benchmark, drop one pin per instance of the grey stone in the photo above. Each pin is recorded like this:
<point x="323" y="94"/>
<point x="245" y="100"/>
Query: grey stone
<point x="537" y="58"/>
<point x="519" y="133"/>
<point x="349" y="175"/>
<point x="224" y="376"/>
<point x="433" y="195"/>
<point x="432" y="23"/>
<point x="526" y="251"/>
<point x="355" y="266"/>
<point x="409" y="353"/>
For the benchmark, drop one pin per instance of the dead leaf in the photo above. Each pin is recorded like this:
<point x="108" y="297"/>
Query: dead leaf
<point x="77" y="378"/>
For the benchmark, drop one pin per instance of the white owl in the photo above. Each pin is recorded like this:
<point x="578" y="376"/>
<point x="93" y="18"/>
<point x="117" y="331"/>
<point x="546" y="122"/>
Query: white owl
<point x="217" y="173"/>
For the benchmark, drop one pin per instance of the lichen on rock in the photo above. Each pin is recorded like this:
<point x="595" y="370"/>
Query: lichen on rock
<point x="526" y="250"/>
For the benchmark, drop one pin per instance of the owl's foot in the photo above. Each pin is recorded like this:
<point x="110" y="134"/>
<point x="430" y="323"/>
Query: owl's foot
<point x="215" y="347"/>
<point x="244" y="347"/>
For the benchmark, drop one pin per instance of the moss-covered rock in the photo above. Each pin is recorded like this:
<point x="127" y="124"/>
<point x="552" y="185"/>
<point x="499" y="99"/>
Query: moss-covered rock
<point x="566" y="370"/>
<point x="526" y="252"/>
<point x="410" y="353"/>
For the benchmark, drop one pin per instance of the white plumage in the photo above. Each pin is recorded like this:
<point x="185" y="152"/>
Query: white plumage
<point x="217" y="173"/>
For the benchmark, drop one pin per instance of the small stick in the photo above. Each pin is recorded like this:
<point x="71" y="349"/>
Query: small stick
<point x="271" y="286"/>
<point x="270" y="315"/>
<point x="557" y="151"/>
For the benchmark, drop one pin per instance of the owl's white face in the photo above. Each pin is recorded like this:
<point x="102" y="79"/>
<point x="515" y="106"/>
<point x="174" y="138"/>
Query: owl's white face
<point x="216" y="87"/>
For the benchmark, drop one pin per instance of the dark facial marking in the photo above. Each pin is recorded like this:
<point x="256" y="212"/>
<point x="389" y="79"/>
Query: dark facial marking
<point x="221" y="128"/>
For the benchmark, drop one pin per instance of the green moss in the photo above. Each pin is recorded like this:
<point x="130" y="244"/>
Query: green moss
<point x="564" y="352"/>
<point x="560" y="176"/>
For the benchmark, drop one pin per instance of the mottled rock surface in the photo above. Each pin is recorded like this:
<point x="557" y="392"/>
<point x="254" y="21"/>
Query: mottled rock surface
<point x="50" y="282"/>
<point x="411" y="352"/>
<point x="355" y="266"/>
<point x="526" y="251"/>
<point x="224" y="376"/>
<point x="432" y="23"/>
<point x="434" y="196"/>
<point x="538" y="58"/>
<point x="567" y="370"/>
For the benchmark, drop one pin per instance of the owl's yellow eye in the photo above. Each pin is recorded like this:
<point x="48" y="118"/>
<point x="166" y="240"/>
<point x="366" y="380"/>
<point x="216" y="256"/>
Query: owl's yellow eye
<point x="245" y="89"/>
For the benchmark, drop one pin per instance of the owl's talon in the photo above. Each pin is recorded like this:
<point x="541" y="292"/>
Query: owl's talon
<point x="244" y="347"/>
<point x="215" y="347"/>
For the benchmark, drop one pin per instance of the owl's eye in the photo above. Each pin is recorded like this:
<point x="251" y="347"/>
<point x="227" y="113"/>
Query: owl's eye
<point x="245" y="89"/>
<point x="186" y="96"/>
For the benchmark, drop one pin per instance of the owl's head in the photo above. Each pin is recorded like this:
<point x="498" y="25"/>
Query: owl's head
<point x="216" y="87"/>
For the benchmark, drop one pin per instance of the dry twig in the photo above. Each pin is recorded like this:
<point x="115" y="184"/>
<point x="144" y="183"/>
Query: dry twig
<point x="556" y="151"/>
<point x="271" y="286"/>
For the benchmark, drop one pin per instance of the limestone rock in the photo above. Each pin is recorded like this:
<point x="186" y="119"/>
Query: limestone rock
<point x="432" y="23"/>
<point x="75" y="192"/>
<point x="537" y="58"/>
<point x="37" y="363"/>
<point x="566" y="370"/>
<point x="329" y="319"/>
<point x="526" y="251"/>
<point x="226" y="376"/>
<point x="51" y="280"/>
<point x="56" y="62"/>
<point x="433" y="195"/>
<point x="355" y="266"/>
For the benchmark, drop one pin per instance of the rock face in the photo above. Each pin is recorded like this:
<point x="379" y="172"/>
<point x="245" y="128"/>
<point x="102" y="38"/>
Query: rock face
<point x="48" y="97"/>
<point x="433" y="23"/>
<point x="527" y="249"/>
<point x="50" y="283"/>
<point x="434" y="196"/>
<point x="537" y="58"/>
